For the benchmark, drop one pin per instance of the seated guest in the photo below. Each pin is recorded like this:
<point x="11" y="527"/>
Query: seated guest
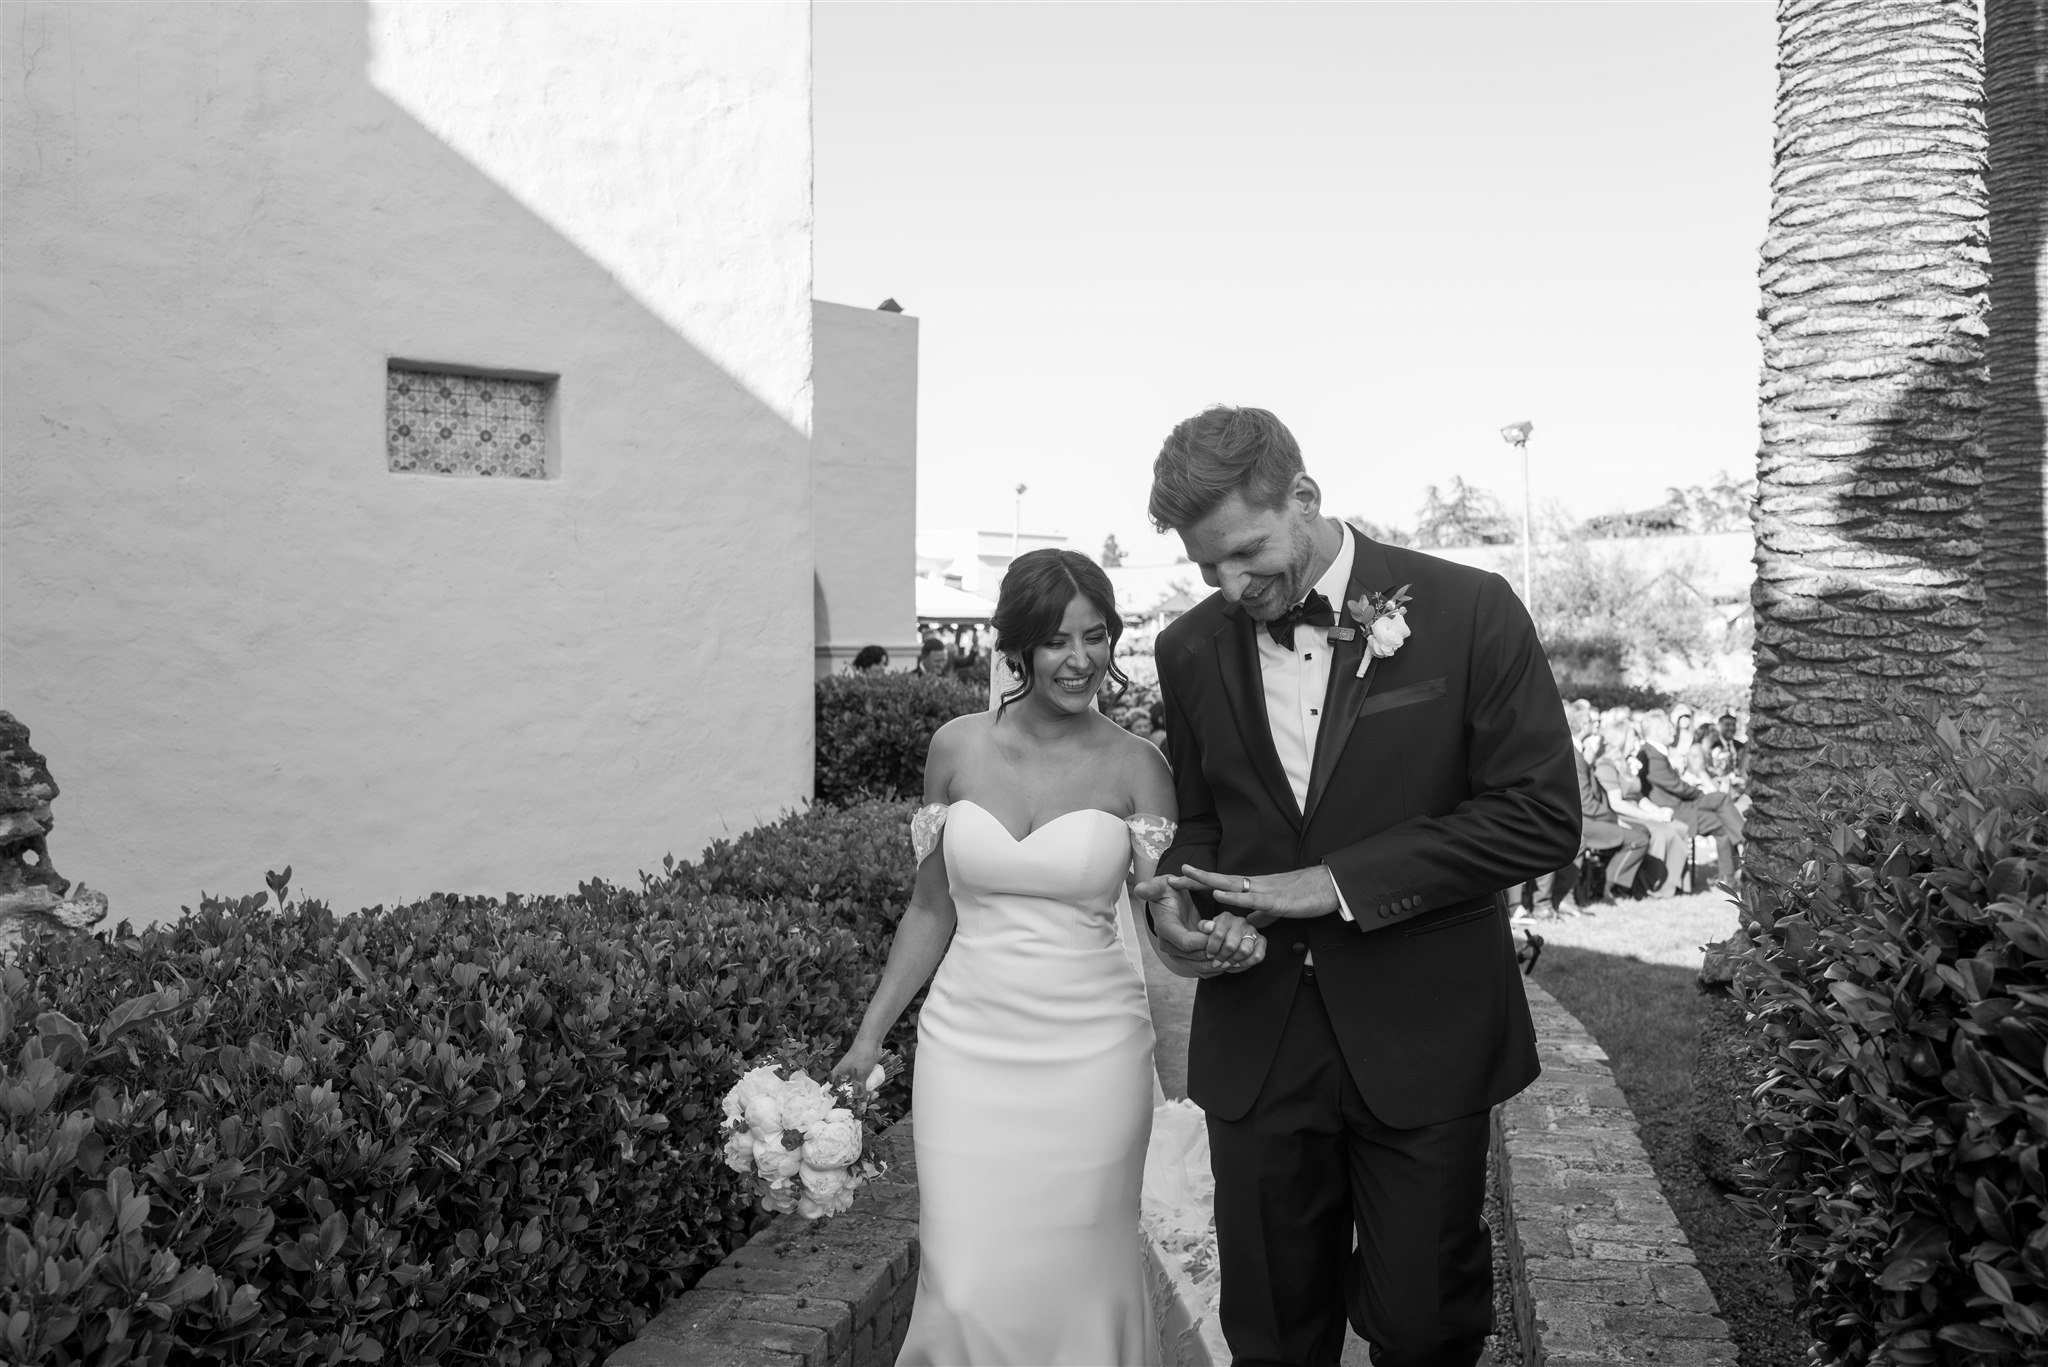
<point x="931" y="658"/>
<point x="870" y="659"/>
<point x="1735" y="749"/>
<point x="1700" y="811"/>
<point x="1601" y="826"/>
<point x="1705" y="756"/>
<point x="1670" y="845"/>
<point x="1600" y="832"/>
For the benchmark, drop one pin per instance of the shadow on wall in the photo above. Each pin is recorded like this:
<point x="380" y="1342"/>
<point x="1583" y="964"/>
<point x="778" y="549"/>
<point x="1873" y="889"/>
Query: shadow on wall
<point x="389" y="681"/>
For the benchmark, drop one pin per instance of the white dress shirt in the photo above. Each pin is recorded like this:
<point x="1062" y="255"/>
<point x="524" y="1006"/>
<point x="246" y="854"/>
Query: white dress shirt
<point x="1297" y="682"/>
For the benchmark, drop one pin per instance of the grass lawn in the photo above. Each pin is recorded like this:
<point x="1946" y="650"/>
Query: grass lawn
<point x="1627" y="973"/>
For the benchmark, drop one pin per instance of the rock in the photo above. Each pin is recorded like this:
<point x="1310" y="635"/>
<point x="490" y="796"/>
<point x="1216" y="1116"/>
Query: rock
<point x="32" y="892"/>
<point x="1717" y="968"/>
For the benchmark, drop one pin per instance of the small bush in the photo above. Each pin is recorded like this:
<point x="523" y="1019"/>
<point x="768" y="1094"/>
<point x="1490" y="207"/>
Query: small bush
<point x="461" y="1131"/>
<point x="873" y="730"/>
<point x="1900" y="983"/>
<point x="853" y="864"/>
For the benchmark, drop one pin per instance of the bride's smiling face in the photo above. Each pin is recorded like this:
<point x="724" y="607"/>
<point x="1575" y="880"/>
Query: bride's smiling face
<point x="1068" y="667"/>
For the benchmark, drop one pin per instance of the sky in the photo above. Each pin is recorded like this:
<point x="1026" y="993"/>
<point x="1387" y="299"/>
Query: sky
<point x="1398" y="226"/>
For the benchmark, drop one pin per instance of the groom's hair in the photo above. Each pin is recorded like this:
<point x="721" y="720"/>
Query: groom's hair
<point x="1220" y="451"/>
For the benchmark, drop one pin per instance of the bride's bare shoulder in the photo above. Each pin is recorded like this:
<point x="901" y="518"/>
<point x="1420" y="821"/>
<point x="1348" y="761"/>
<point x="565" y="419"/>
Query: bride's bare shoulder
<point x="958" y="738"/>
<point x="1142" y="768"/>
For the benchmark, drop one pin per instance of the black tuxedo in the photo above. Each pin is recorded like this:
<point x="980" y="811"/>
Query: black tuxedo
<point x="1440" y="778"/>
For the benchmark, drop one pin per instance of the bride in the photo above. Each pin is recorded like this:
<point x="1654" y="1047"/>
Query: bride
<point x="1032" y="1093"/>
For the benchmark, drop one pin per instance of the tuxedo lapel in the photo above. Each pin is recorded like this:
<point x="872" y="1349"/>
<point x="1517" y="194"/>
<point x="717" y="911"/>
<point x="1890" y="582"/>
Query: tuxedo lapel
<point x="1237" y="660"/>
<point x="1347" y="691"/>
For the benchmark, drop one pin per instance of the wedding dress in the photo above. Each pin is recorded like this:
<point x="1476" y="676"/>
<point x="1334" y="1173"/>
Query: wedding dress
<point x="1032" y="1099"/>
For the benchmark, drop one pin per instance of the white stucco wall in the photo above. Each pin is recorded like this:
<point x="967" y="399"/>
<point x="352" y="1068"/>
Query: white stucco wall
<point x="240" y="640"/>
<point x="864" y="484"/>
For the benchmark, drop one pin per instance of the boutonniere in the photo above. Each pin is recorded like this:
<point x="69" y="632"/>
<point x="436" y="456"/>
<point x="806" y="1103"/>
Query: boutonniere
<point x="1384" y="619"/>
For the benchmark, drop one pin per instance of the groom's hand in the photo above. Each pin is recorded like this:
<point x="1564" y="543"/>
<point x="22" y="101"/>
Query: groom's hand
<point x="1264" y="898"/>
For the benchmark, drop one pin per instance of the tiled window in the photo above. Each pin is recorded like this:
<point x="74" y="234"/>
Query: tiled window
<point x="443" y="424"/>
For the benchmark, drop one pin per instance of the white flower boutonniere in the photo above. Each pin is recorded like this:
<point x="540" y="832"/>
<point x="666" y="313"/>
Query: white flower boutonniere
<point x="1384" y="619"/>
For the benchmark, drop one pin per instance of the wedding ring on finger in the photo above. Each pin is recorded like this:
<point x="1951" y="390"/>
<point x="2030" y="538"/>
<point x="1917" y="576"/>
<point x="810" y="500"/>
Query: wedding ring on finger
<point x="1244" y="887"/>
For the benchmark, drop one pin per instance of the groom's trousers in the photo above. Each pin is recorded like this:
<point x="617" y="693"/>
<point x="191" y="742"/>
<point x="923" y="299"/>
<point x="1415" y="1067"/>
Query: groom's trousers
<point x="1308" y="1165"/>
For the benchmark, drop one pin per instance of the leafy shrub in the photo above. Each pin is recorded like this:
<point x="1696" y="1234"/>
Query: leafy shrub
<point x="1636" y="697"/>
<point x="852" y="864"/>
<point x="460" y="1131"/>
<point x="1900" y="982"/>
<point x="873" y="730"/>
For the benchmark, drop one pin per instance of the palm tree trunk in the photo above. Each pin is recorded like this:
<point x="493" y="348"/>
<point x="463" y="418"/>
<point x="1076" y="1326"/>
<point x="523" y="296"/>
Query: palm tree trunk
<point x="2015" y="492"/>
<point x="1868" y="536"/>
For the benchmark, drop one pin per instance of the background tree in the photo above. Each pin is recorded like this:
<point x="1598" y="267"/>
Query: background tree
<point x="1463" y="515"/>
<point x="1385" y="532"/>
<point x="2015" y="554"/>
<point x="1868" y="589"/>
<point x="1719" y="506"/>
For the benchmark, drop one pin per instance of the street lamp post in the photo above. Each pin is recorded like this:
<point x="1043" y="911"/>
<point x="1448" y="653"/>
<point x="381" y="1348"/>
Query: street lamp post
<point x="1017" y="523"/>
<point x="1516" y="434"/>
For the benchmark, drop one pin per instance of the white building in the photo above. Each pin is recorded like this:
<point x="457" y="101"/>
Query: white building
<point x="405" y="439"/>
<point x="974" y="561"/>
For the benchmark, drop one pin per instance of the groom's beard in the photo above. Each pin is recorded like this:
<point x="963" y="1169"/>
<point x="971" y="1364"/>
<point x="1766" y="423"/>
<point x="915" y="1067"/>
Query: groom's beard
<point x="1276" y="596"/>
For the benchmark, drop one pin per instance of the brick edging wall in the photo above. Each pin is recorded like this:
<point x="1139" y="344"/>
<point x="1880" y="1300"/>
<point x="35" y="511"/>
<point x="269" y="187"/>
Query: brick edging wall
<point x="1603" y="1273"/>
<point x="835" y="1293"/>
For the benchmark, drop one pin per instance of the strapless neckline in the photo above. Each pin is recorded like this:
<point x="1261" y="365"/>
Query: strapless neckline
<point x="1042" y="826"/>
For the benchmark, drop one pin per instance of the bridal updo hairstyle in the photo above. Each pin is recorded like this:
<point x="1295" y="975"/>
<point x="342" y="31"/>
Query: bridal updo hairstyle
<point x="1218" y="452"/>
<point x="1034" y="598"/>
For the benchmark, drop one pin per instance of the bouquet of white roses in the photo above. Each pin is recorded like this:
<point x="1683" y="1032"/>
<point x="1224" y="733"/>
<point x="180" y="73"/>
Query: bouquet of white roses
<point x="804" y="1142"/>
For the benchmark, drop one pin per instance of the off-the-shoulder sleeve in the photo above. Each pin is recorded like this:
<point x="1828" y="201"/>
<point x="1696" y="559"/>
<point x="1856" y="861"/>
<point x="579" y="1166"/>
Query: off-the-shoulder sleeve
<point x="925" y="825"/>
<point x="1151" y="835"/>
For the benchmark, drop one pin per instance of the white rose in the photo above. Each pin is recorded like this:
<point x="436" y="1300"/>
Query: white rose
<point x="802" y="1102"/>
<point x="821" y="1183"/>
<point x="817" y="1207"/>
<point x="780" y="1201"/>
<point x="760" y="1082"/>
<point x="739" y="1151"/>
<point x="764" y="1116"/>
<point x="834" y="1142"/>
<point x="775" y="1163"/>
<point x="1386" y="635"/>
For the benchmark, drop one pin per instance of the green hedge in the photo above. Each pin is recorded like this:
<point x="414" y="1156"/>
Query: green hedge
<point x="873" y="730"/>
<point x="1901" y="986"/>
<point x="461" y="1131"/>
<point x="852" y="864"/>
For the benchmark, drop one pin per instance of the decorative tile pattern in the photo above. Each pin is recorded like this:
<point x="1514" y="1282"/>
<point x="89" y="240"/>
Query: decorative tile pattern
<point x="465" y="424"/>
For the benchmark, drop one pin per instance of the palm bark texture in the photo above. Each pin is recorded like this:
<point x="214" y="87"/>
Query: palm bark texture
<point x="1868" y="594"/>
<point x="2015" y="501"/>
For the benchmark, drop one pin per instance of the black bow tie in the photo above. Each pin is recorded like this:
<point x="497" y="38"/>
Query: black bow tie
<point x="1315" y="610"/>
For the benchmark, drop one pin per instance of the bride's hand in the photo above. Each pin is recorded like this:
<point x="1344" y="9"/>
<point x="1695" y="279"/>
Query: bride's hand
<point x="1233" y="944"/>
<point x="860" y="1061"/>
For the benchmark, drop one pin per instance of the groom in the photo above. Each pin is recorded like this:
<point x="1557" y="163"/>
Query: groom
<point x="1369" y="819"/>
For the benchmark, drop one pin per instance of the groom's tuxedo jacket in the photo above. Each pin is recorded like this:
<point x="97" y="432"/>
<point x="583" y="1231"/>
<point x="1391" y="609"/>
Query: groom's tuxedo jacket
<point x="1442" y="777"/>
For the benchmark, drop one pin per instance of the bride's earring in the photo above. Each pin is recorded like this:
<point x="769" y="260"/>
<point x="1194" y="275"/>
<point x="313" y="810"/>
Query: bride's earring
<point x="1016" y="670"/>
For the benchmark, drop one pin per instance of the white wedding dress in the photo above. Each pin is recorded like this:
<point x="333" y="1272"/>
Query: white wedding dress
<point x="1032" y="1099"/>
